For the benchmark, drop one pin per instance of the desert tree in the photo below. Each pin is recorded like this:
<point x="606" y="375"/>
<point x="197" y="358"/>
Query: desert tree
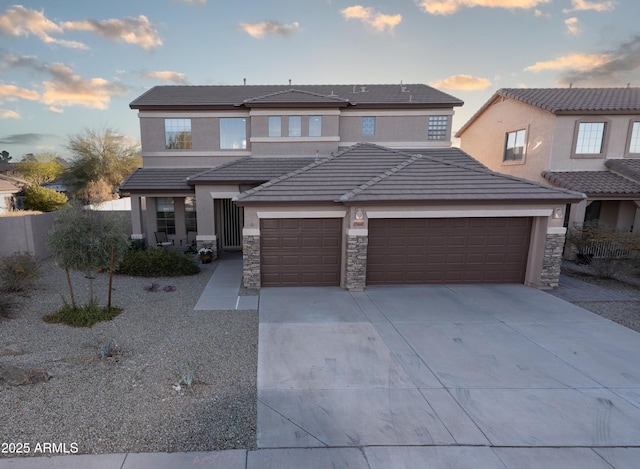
<point x="86" y="241"/>
<point x="41" y="168"/>
<point x="104" y="156"/>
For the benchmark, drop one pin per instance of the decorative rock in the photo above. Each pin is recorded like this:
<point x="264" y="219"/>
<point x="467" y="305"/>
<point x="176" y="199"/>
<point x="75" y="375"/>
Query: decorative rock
<point x="13" y="349"/>
<point x="18" y="376"/>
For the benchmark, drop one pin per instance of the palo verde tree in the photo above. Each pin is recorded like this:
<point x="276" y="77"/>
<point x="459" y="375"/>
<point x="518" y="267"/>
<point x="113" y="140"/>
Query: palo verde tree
<point x="86" y="241"/>
<point x="41" y="168"/>
<point x="100" y="157"/>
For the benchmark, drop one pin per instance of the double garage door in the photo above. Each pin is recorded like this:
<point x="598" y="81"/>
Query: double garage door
<point x="400" y="251"/>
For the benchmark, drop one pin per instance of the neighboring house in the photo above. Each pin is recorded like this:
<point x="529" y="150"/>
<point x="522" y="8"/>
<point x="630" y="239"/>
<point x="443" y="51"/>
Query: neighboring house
<point x="283" y="173"/>
<point x="583" y="139"/>
<point x="9" y="189"/>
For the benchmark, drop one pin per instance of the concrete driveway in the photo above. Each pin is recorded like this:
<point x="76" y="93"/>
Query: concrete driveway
<point x="445" y="376"/>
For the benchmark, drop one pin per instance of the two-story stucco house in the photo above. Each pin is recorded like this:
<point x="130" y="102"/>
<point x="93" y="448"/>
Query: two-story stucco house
<point x="583" y="139"/>
<point x="337" y="185"/>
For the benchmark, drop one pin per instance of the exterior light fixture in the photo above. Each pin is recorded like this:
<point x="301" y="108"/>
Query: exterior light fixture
<point x="359" y="217"/>
<point x="558" y="213"/>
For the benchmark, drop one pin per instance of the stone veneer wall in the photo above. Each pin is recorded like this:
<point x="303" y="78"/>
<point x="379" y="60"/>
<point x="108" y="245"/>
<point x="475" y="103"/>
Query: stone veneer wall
<point x="356" y="269"/>
<point x="550" y="276"/>
<point x="251" y="261"/>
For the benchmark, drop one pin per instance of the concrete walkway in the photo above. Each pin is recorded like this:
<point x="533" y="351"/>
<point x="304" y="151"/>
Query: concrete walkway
<point x="423" y="377"/>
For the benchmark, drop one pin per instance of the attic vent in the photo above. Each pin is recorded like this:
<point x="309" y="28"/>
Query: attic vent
<point x="404" y="89"/>
<point x="354" y="89"/>
<point x="363" y="89"/>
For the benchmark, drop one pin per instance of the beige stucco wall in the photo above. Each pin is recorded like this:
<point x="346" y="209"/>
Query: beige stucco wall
<point x="616" y="143"/>
<point x="485" y="138"/>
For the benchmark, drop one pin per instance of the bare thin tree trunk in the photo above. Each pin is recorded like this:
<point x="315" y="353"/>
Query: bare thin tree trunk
<point x="89" y="276"/>
<point x="113" y="252"/>
<point x="73" y="299"/>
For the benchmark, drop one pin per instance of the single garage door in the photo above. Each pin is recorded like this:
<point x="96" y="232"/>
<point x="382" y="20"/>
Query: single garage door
<point x="447" y="250"/>
<point x="300" y="251"/>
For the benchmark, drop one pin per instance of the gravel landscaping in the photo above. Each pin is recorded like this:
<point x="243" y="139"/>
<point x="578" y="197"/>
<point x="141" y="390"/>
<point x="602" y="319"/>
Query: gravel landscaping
<point x="627" y="281"/>
<point x="131" y="401"/>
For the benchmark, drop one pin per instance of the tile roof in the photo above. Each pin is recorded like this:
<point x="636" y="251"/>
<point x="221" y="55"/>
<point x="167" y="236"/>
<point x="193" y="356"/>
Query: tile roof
<point x="164" y="97"/>
<point x="594" y="183"/>
<point x="251" y="170"/>
<point x="159" y="179"/>
<point x="577" y="100"/>
<point x="626" y="167"/>
<point x="368" y="172"/>
<point x="569" y="101"/>
<point x="10" y="184"/>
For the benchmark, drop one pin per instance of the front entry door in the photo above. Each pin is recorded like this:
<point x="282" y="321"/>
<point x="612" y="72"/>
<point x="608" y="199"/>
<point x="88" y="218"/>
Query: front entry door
<point x="229" y="223"/>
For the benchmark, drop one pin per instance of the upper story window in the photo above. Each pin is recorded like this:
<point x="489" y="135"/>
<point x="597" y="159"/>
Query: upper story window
<point x="315" y="126"/>
<point x="437" y="128"/>
<point x="177" y="133"/>
<point x="590" y="138"/>
<point x="233" y="133"/>
<point x="275" y="126"/>
<point x="634" y="138"/>
<point x="295" y="126"/>
<point x="368" y="126"/>
<point x="514" y="145"/>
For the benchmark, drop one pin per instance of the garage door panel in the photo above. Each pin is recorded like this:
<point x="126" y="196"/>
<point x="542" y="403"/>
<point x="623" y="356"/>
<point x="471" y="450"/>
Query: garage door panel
<point x="456" y="250"/>
<point x="295" y="252"/>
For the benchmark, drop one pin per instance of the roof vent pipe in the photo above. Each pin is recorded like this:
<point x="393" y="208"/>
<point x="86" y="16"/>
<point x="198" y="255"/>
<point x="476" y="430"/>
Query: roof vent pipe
<point x="244" y="80"/>
<point x="289" y="81"/>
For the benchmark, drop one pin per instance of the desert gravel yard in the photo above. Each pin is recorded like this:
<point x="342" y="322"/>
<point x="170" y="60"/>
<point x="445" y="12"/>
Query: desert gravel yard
<point x="131" y="402"/>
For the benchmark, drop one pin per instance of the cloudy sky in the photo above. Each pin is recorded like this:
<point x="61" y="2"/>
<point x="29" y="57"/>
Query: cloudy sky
<point x="69" y="64"/>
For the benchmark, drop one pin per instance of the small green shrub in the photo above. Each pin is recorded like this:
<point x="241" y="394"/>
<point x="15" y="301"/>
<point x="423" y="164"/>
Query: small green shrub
<point x="83" y="315"/>
<point x="43" y="199"/>
<point x="157" y="262"/>
<point x="139" y="244"/>
<point x="187" y="373"/>
<point x="18" y="271"/>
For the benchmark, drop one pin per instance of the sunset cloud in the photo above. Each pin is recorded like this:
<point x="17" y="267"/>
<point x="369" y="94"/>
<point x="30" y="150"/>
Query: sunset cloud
<point x="372" y="18"/>
<point x="571" y="62"/>
<point x="20" y="21"/>
<point x="137" y="31"/>
<point x="9" y="114"/>
<point x="68" y="89"/>
<point x="462" y="82"/>
<point x="573" y="26"/>
<point x="173" y="77"/>
<point x="259" y="30"/>
<point x="12" y="92"/>
<point x="584" y="5"/>
<point x="449" y="7"/>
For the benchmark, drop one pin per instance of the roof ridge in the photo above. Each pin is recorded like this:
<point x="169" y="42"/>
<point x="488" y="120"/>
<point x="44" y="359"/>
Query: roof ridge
<point x="371" y="182"/>
<point x="296" y="90"/>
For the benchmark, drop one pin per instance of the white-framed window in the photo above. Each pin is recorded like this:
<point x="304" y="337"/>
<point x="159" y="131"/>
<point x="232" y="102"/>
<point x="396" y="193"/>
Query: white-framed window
<point x="315" y="126"/>
<point x="514" y="145"/>
<point x="233" y="133"/>
<point x="165" y="215"/>
<point x="634" y="138"/>
<point x="275" y="126"/>
<point x="177" y="134"/>
<point x="590" y="138"/>
<point x="368" y="126"/>
<point x="295" y="126"/>
<point x="437" y="129"/>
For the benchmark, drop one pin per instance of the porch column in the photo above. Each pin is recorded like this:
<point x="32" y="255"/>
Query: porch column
<point x="137" y="229"/>
<point x="205" y="215"/>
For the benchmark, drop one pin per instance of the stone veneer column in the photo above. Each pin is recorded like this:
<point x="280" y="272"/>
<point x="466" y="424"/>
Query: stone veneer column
<point x="251" y="261"/>
<point x="356" y="268"/>
<point x="550" y="276"/>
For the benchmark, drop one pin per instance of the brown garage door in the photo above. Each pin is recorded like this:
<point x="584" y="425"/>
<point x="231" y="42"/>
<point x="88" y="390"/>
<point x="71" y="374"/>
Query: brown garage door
<point x="447" y="250"/>
<point x="300" y="251"/>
